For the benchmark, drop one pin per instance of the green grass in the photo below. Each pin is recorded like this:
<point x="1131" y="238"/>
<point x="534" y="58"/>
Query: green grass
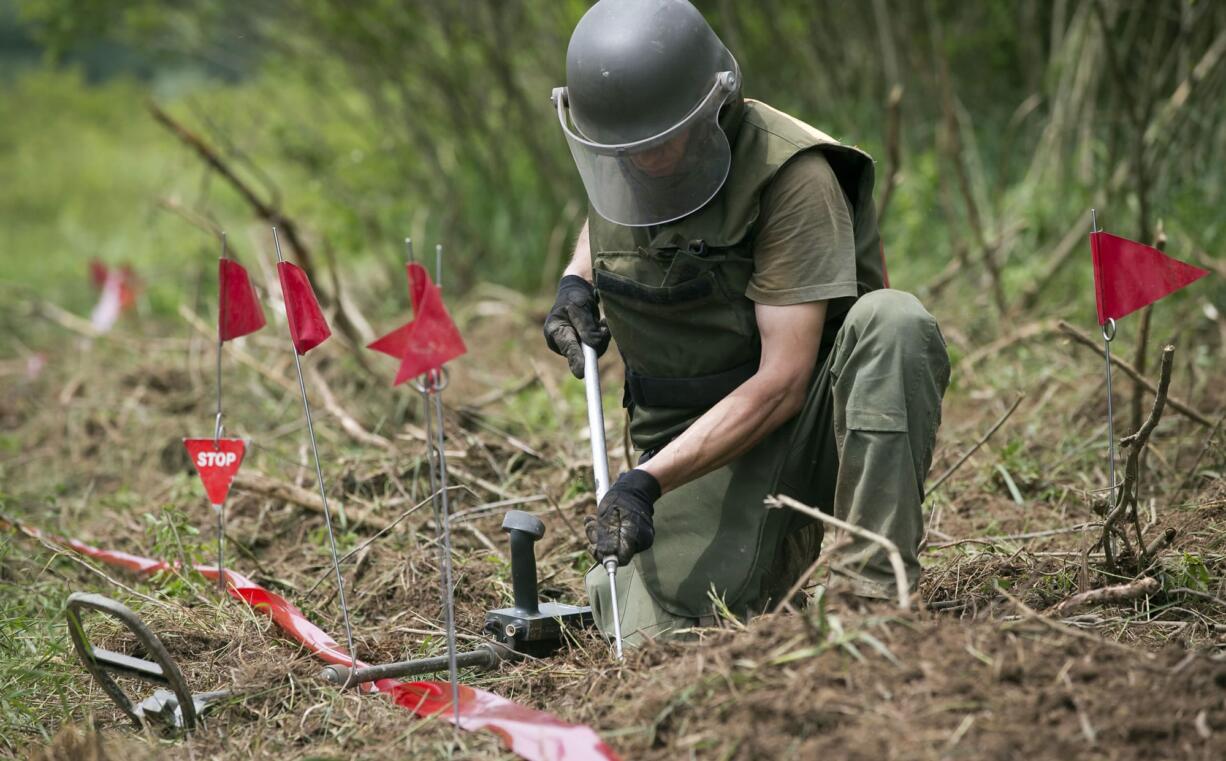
<point x="82" y="167"/>
<point x="38" y="673"/>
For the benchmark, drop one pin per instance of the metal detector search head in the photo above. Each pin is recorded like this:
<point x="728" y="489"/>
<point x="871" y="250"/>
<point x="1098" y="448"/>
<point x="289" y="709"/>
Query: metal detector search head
<point x="176" y="707"/>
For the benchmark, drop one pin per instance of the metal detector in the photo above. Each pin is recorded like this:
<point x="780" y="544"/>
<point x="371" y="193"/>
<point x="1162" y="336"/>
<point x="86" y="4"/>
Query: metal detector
<point x="528" y="628"/>
<point x="175" y="707"/>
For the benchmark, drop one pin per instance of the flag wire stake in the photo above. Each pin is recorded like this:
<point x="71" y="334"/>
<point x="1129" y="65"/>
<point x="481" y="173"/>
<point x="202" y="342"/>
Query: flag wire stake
<point x="1108" y="330"/>
<point x="430" y="386"/>
<point x="217" y="429"/>
<point x="447" y="571"/>
<point x="323" y="495"/>
<point x="408" y="246"/>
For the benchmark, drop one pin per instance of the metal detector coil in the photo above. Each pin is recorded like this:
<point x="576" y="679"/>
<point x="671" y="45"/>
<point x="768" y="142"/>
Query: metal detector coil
<point x="176" y="707"/>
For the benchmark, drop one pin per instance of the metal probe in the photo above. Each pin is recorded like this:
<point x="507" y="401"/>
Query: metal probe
<point x="600" y="467"/>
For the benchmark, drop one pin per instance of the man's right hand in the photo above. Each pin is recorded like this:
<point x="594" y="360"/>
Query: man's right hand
<point x="623" y="526"/>
<point x="575" y="318"/>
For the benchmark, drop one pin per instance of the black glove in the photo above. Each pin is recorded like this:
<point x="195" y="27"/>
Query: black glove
<point x="622" y="524"/>
<point x="575" y="317"/>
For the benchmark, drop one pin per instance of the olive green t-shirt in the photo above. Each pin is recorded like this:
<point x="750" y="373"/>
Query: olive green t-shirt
<point x="804" y="249"/>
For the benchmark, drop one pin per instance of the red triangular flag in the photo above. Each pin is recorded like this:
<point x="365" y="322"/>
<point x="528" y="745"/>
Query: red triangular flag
<point x="97" y="273"/>
<point x="1129" y="275"/>
<point x="238" y="309"/>
<point x="430" y="339"/>
<point x="307" y="326"/>
<point x="124" y="278"/>
<point x="217" y="462"/>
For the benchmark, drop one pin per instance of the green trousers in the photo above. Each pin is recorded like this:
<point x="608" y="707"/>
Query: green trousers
<point x="860" y="449"/>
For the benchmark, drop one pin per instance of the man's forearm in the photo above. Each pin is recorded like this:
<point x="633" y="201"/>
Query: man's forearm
<point x="581" y="260"/>
<point x="790" y="338"/>
<point x="724" y="432"/>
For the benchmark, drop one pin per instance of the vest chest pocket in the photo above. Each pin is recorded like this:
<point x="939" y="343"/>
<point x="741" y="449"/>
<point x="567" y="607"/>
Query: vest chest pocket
<point x="664" y="279"/>
<point x="672" y="314"/>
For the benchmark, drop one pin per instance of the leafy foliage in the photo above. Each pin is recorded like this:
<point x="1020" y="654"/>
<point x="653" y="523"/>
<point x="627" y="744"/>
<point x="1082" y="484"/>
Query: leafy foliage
<point x="432" y="119"/>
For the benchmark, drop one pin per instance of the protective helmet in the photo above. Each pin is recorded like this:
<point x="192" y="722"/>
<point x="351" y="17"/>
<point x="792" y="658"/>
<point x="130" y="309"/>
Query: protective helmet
<point x="645" y="82"/>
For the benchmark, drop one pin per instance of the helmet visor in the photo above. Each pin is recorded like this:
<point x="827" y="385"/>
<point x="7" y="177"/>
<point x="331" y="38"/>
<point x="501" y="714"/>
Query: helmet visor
<point x="662" y="178"/>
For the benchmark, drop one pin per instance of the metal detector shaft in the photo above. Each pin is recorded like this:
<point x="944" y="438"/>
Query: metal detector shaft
<point x="484" y="657"/>
<point x="600" y="468"/>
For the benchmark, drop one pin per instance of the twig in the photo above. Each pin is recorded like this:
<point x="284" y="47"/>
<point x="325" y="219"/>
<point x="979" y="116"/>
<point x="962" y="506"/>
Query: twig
<point x="1199" y="594"/>
<point x="498" y="394"/>
<point x="893" y="151"/>
<point x="1141" y="356"/>
<point x="488" y="506"/>
<point x="1142" y="587"/>
<point x="1024" y="333"/>
<point x="953" y="148"/>
<point x="436" y="632"/>
<point x="350" y="425"/>
<point x="475" y="417"/>
<point x="81" y="326"/>
<point x="1155" y="548"/>
<point x="1030" y="613"/>
<point x="263" y="209"/>
<point x="823" y="558"/>
<point x="1126" y="502"/>
<point x="200" y="326"/>
<point x="381" y="532"/>
<point x="995" y="540"/>
<point x="891" y="549"/>
<point x="483" y="483"/>
<point x="193" y="218"/>
<point x="1178" y="405"/>
<point x="68" y="553"/>
<point x="1187" y="480"/>
<point x="579" y="538"/>
<point x="483" y="539"/>
<point x="266" y="486"/>
<point x="982" y="440"/>
<point x="269" y="210"/>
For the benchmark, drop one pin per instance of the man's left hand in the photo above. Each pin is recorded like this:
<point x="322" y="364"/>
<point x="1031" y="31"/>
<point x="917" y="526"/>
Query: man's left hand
<point x="622" y="526"/>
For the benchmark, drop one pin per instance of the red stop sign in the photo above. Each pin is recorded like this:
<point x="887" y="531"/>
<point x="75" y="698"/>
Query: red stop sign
<point x="217" y="462"/>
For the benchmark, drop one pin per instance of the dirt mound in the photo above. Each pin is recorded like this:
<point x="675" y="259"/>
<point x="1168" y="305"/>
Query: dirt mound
<point x="876" y="687"/>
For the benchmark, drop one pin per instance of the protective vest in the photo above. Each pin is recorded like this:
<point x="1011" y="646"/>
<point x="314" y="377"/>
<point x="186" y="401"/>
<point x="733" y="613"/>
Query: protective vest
<point x="674" y="295"/>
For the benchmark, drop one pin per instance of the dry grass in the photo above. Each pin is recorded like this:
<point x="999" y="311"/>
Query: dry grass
<point x="93" y="451"/>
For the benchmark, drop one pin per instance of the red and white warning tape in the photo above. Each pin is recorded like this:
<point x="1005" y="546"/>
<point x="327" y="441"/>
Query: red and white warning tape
<point x="527" y="732"/>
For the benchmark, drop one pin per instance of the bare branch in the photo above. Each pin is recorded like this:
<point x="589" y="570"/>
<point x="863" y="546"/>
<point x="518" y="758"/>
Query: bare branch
<point x="891" y="549"/>
<point x="266" y="486"/>
<point x="995" y="427"/>
<point x="1142" y="587"/>
<point x="1178" y="405"/>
